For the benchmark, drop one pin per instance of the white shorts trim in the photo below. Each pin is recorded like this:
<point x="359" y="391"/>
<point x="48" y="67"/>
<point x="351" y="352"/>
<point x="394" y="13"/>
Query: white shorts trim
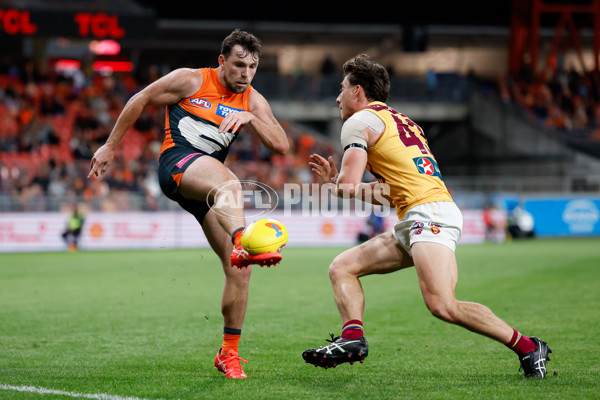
<point x="438" y="222"/>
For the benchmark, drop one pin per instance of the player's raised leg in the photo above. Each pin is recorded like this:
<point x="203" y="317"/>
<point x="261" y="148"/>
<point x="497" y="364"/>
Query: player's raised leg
<point x="379" y="255"/>
<point x="208" y="180"/>
<point x="234" y="299"/>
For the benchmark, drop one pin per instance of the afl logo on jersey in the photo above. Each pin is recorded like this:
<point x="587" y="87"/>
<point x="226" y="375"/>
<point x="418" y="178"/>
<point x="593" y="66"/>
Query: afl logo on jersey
<point x="202" y="103"/>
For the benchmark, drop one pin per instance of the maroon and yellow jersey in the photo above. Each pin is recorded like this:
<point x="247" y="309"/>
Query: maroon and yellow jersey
<point x="194" y="121"/>
<point x="402" y="159"/>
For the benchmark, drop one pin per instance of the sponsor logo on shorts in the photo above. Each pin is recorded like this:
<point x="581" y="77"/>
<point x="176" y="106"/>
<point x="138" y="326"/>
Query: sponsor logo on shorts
<point x="201" y="102"/>
<point x="185" y="159"/>
<point x="417" y="225"/>
<point x="418" y="231"/>
<point x="223" y="111"/>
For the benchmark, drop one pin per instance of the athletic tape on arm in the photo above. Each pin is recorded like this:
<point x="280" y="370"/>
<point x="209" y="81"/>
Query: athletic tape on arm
<point x="352" y="137"/>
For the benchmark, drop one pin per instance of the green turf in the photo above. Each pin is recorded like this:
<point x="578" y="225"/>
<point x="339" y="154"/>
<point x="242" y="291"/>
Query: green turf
<point x="147" y="324"/>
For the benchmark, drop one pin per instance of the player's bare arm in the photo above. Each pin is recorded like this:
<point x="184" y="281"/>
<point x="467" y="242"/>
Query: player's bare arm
<point x="375" y="193"/>
<point x="349" y="182"/>
<point x="356" y="138"/>
<point x="353" y="167"/>
<point x="355" y="164"/>
<point x="355" y="159"/>
<point x="167" y="90"/>
<point x="261" y="120"/>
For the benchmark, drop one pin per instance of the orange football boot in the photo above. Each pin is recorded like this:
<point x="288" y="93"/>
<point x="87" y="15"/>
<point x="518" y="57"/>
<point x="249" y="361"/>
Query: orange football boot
<point x="230" y="364"/>
<point x="242" y="259"/>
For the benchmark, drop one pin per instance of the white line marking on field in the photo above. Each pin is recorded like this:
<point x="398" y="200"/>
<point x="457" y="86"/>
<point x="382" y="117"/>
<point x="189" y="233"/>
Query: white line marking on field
<point x="98" y="396"/>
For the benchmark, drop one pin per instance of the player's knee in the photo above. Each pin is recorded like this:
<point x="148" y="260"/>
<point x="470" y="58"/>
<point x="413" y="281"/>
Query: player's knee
<point x="339" y="266"/>
<point x="443" y="310"/>
<point x="237" y="276"/>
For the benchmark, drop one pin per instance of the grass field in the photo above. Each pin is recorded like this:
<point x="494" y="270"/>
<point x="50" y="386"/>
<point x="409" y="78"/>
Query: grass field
<point x="147" y="324"/>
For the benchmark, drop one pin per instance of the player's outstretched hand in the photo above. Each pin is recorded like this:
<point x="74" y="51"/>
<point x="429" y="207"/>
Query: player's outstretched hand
<point x="101" y="160"/>
<point x="325" y="169"/>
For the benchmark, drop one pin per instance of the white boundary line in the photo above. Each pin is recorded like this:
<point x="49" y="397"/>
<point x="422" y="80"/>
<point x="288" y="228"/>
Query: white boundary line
<point x="39" y="390"/>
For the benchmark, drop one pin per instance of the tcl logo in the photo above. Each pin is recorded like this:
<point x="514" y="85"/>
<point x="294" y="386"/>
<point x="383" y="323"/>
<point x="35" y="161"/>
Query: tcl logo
<point x="96" y="25"/>
<point x="15" y="21"/>
<point x="99" y="25"/>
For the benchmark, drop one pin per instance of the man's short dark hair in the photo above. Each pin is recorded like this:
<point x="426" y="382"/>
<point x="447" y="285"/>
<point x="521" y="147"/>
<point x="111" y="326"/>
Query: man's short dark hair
<point x="373" y="77"/>
<point x="248" y="41"/>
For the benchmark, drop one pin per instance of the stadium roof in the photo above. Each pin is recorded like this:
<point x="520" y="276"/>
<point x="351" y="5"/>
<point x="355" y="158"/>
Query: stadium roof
<point x="330" y="11"/>
<point x="414" y="12"/>
<point x="123" y="7"/>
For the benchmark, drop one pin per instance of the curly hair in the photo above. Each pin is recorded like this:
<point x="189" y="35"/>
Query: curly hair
<point x="250" y="43"/>
<point x="373" y="77"/>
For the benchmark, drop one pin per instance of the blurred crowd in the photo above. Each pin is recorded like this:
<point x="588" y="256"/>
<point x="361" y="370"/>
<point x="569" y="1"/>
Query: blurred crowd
<point x="566" y="100"/>
<point x="51" y="125"/>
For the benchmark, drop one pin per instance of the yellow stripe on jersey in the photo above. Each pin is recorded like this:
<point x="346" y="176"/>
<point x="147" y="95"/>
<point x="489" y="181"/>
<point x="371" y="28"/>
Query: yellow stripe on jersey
<point x="402" y="159"/>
